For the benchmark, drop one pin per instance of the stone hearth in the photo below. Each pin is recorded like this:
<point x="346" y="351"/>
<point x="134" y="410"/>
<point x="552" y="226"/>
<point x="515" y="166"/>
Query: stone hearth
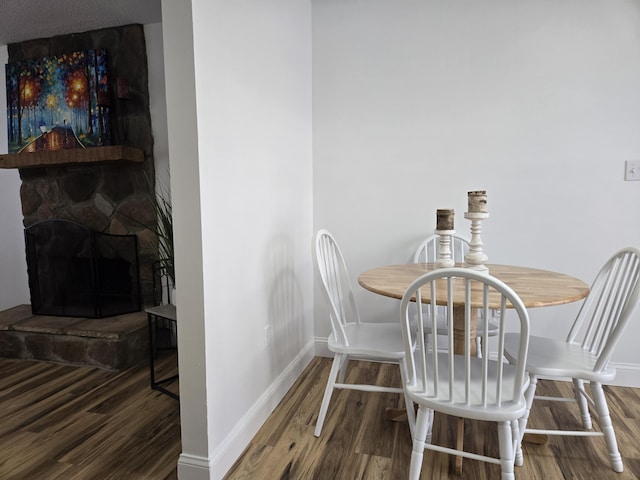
<point x="113" y="343"/>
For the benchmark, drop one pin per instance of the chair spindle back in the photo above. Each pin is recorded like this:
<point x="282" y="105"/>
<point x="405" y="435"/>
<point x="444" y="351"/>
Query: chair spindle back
<point x="481" y="293"/>
<point x="614" y="294"/>
<point x="336" y="285"/>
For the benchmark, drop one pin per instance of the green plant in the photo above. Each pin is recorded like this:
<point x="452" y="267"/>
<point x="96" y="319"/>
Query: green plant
<point x="164" y="232"/>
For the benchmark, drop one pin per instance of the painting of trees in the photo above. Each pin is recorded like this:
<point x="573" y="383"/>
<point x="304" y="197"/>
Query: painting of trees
<point x="58" y="102"/>
<point x="13" y="104"/>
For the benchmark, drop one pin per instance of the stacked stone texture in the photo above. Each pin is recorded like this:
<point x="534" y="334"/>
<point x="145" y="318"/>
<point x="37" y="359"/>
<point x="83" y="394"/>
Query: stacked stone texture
<point x="114" y="198"/>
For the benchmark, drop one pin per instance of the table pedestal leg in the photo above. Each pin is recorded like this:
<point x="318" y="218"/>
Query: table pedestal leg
<point x="459" y="444"/>
<point x="460" y="346"/>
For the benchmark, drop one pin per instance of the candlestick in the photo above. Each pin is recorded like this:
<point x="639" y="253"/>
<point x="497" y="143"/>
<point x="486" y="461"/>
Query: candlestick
<point x="477" y="201"/>
<point x="475" y="257"/>
<point x="444" y="230"/>
<point x="444" y="218"/>
<point x="445" y="257"/>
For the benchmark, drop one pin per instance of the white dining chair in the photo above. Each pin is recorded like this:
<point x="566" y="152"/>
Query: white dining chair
<point x="584" y="355"/>
<point x="350" y="337"/>
<point x="462" y="385"/>
<point x="427" y="252"/>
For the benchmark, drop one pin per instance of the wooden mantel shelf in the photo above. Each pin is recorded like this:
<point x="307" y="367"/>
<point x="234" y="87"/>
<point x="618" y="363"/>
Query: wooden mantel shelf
<point x="74" y="156"/>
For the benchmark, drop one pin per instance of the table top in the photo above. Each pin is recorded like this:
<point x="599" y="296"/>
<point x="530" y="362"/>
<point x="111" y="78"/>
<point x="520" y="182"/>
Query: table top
<point x="165" y="311"/>
<point x="536" y="288"/>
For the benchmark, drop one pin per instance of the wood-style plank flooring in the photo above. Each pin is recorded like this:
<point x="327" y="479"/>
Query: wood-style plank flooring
<point x="357" y="442"/>
<point x="83" y="423"/>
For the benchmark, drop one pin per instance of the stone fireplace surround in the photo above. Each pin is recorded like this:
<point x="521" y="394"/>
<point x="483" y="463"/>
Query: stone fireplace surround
<point x="113" y="197"/>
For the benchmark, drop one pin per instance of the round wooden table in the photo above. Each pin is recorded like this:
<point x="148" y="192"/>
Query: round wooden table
<point x="535" y="287"/>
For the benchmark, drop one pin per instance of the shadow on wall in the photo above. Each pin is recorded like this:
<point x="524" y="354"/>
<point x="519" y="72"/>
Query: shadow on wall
<point x="286" y="331"/>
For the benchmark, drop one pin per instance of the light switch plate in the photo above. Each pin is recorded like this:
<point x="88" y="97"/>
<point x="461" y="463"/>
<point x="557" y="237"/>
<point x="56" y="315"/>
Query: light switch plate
<point x="632" y="170"/>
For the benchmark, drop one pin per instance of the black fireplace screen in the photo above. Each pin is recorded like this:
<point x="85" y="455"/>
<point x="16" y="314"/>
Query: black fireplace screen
<point x="78" y="272"/>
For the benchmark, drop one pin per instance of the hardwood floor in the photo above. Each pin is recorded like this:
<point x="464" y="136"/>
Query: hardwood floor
<point x="81" y="423"/>
<point x="358" y="443"/>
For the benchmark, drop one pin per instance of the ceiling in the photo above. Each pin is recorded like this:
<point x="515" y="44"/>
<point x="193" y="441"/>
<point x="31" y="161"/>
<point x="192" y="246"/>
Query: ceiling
<point x="30" y="19"/>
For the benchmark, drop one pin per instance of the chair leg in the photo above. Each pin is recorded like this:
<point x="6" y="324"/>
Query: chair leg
<point x="428" y="341"/>
<point x="430" y="429"/>
<point x="578" y="386"/>
<point x="343" y="368"/>
<point x="515" y="442"/>
<point x="479" y="347"/>
<point x="411" y="415"/>
<point x="338" y="361"/>
<point x="606" y="426"/>
<point x="505" y="439"/>
<point x="422" y="427"/>
<point x="522" y="423"/>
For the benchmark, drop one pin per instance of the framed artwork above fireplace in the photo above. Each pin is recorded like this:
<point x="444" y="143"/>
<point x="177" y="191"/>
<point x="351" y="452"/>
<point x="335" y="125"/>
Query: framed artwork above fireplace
<point x="58" y="102"/>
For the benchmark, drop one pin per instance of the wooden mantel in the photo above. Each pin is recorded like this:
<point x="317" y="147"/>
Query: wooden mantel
<point x="73" y="156"/>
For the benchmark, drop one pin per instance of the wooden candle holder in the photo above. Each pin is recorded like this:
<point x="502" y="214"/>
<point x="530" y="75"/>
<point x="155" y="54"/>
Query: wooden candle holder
<point x="475" y="257"/>
<point x="445" y="258"/>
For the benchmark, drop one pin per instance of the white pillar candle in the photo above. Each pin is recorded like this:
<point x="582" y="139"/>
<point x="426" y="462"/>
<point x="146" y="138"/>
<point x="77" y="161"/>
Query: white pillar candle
<point x="444" y="218"/>
<point x="477" y="201"/>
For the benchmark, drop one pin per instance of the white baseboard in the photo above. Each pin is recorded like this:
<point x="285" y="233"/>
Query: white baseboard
<point x="223" y="458"/>
<point x="322" y="347"/>
<point x="627" y="375"/>
<point x="192" y="467"/>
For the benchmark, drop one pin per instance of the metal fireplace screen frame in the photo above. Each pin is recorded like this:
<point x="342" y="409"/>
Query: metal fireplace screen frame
<point x="77" y="272"/>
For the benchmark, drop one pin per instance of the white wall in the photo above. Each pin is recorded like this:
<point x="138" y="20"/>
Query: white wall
<point x="178" y="40"/>
<point x="416" y="103"/>
<point x="239" y="122"/>
<point x="13" y="263"/>
<point x="157" y="103"/>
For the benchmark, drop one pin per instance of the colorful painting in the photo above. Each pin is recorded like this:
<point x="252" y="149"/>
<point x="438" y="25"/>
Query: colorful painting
<point x="58" y="102"/>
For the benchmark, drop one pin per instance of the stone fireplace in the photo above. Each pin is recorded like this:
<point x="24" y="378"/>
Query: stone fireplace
<point x="107" y="193"/>
<point x="105" y="189"/>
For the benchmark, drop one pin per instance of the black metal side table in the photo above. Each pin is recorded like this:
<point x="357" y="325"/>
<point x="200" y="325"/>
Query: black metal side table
<point x="167" y="313"/>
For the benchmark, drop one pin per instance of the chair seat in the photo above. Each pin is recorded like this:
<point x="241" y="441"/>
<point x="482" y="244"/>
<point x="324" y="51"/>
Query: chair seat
<point x="379" y="340"/>
<point x="510" y="408"/>
<point x="557" y="358"/>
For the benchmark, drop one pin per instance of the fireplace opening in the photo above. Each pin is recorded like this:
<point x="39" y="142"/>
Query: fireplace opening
<point x="77" y="272"/>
